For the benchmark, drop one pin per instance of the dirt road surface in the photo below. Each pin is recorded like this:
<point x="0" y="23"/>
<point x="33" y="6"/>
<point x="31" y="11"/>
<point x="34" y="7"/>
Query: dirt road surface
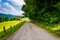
<point x="29" y="31"/>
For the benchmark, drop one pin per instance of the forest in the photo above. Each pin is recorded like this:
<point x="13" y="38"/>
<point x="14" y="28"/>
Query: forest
<point x="43" y="10"/>
<point x="3" y="19"/>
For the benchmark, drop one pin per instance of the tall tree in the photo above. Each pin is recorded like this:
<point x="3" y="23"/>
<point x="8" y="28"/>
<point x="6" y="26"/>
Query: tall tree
<point x="44" y="10"/>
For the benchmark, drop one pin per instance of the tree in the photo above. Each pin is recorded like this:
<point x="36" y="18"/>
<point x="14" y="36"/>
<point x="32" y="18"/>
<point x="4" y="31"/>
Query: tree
<point x="44" y="10"/>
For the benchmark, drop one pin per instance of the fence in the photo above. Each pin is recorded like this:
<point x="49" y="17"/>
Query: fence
<point x="4" y="28"/>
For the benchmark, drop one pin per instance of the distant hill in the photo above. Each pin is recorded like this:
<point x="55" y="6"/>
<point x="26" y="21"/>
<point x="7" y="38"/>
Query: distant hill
<point x="6" y="15"/>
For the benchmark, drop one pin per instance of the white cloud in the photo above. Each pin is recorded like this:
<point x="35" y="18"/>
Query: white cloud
<point x="11" y="10"/>
<point x="10" y="6"/>
<point x="18" y="2"/>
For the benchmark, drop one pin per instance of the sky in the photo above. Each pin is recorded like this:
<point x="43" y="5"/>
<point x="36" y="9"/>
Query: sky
<point x="11" y="7"/>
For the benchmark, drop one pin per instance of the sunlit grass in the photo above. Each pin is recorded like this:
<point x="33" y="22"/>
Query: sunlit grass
<point x="8" y="24"/>
<point x="11" y="27"/>
<point x="56" y="28"/>
<point x="25" y="19"/>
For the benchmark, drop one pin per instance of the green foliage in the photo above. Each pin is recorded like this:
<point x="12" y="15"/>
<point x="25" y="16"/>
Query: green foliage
<point x="2" y="19"/>
<point x="42" y="10"/>
<point x="46" y="13"/>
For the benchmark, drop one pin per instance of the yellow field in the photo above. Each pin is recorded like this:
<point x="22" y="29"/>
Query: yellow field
<point x="8" y="24"/>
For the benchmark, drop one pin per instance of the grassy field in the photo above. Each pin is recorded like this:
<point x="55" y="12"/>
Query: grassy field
<point x="8" y="24"/>
<point x="11" y="27"/>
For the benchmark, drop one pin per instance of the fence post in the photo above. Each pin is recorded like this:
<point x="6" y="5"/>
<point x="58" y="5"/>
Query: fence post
<point x="4" y="29"/>
<point x="10" y="27"/>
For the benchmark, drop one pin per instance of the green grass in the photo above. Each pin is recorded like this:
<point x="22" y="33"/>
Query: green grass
<point x="8" y="24"/>
<point x="9" y="31"/>
<point x="11" y="27"/>
<point x="54" y="29"/>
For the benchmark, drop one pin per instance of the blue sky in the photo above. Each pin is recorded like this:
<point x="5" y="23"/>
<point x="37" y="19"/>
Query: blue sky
<point x="11" y="7"/>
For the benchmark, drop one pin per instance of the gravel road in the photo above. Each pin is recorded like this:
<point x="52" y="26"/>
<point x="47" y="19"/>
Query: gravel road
<point x="29" y="31"/>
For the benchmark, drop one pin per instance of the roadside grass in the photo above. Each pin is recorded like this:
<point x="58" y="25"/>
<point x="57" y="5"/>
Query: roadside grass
<point x="11" y="27"/>
<point x="54" y="29"/>
<point x="25" y="19"/>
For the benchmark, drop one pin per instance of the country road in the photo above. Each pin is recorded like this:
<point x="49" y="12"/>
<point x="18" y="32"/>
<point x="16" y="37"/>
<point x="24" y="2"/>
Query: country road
<point x="29" y="31"/>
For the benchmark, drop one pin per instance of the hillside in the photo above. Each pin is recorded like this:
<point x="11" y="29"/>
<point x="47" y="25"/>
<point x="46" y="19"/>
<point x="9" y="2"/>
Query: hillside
<point x="6" y="15"/>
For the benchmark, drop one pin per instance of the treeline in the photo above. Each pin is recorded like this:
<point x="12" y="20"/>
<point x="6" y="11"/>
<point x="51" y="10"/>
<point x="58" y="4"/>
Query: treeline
<point x="2" y="19"/>
<point x="42" y="10"/>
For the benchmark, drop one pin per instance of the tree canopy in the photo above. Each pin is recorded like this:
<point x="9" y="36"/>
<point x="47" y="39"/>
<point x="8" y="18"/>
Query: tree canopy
<point x="42" y="10"/>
